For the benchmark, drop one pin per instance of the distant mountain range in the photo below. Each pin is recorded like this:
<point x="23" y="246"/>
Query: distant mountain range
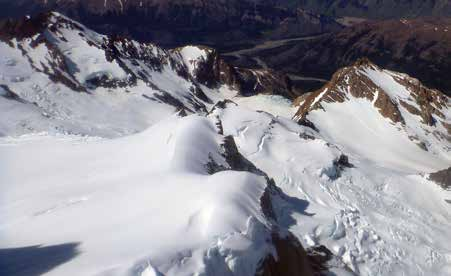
<point x="420" y="47"/>
<point x="174" y="22"/>
<point x="380" y="9"/>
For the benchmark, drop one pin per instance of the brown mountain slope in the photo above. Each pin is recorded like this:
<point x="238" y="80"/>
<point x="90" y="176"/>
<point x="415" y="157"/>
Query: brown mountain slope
<point x="419" y="47"/>
<point x="378" y="8"/>
<point x="386" y="99"/>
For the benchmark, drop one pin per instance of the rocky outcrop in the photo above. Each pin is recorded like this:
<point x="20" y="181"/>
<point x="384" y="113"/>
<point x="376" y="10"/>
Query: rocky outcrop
<point x="380" y="101"/>
<point x="291" y="259"/>
<point x="442" y="178"/>
<point x="355" y="81"/>
<point x="211" y="70"/>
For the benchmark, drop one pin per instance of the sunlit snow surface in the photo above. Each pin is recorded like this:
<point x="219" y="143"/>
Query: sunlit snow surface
<point x="134" y="201"/>
<point x="145" y="203"/>
<point x="381" y="219"/>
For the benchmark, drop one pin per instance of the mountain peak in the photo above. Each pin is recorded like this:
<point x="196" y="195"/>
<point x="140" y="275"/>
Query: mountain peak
<point x="387" y="90"/>
<point x="392" y="98"/>
<point x="364" y="61"/>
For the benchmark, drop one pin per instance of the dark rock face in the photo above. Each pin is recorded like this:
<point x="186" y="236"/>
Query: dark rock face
<point x="214" y="71"/>
<point x="443" y="178"/>
<point x="5" y="92"/>
<point x="419" y="47"/>
<point x="292" y="259"/>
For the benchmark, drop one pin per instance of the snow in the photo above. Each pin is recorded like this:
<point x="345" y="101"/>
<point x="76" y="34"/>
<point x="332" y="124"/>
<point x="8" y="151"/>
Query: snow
<point x="385" y="80"/>
<point x="192" y="55"/>
<point x="148" y="195"/>
<point x="345" y="122"/>
<point x="274" y="104"/>
<point x="380" y="217"/>
<point x="125" y="180"/>
<point x="320" y="96"/>
<point x="106" y="112"/>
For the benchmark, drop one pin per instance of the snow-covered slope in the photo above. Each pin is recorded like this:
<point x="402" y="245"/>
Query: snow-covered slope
<point x="151" y="200"/>
<point x="69" y="78"/>
<point x="136" y="160"/>
<point x="61" y="76"/>
<point x="384" y="116"/>
<point x="377" y="219"/>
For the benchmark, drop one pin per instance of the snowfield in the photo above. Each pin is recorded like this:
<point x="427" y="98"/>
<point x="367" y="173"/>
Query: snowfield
<point x="377" y="217"/>
<point x="134" y="202"/>
<point x="161" y="175"/>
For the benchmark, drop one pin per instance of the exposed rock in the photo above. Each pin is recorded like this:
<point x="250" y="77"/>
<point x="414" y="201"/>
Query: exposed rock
<point x="353" y="81"/>
<point x="291" y="259"/>
<point x="442" y="178"/>
<point x="307" y="123"/>
<point x="7" y="93"/>
<point x="319" y="256"/>
<point x="235" y="159"/>
<point x="306" y="136"/>
<point x="212" y="71"/>
<point x="20" y="29"/>
<point x="343" y="162"/>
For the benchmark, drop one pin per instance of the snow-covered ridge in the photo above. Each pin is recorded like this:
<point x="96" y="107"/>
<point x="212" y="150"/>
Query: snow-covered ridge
<point x="383" y="109"/>
<point x="162" y="208"/>
<point x="69" y="78"/>
<point x="63" y="73"/>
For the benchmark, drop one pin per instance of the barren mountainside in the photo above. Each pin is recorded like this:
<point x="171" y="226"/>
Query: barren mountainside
<point x="418" y="47"/>
<point x="380" y="9"/>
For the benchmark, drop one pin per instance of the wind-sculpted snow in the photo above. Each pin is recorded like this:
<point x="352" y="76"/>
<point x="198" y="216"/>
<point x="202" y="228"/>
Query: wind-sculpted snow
<point x="375" y="218"/>
<point x="144" y="200"/>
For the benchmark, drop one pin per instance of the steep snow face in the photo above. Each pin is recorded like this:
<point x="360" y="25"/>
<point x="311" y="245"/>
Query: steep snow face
<point x="192" y="56"/>
<point x="137" y="205"/>
<point x="365" y="108"/>
<point x="66" y="77"/>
